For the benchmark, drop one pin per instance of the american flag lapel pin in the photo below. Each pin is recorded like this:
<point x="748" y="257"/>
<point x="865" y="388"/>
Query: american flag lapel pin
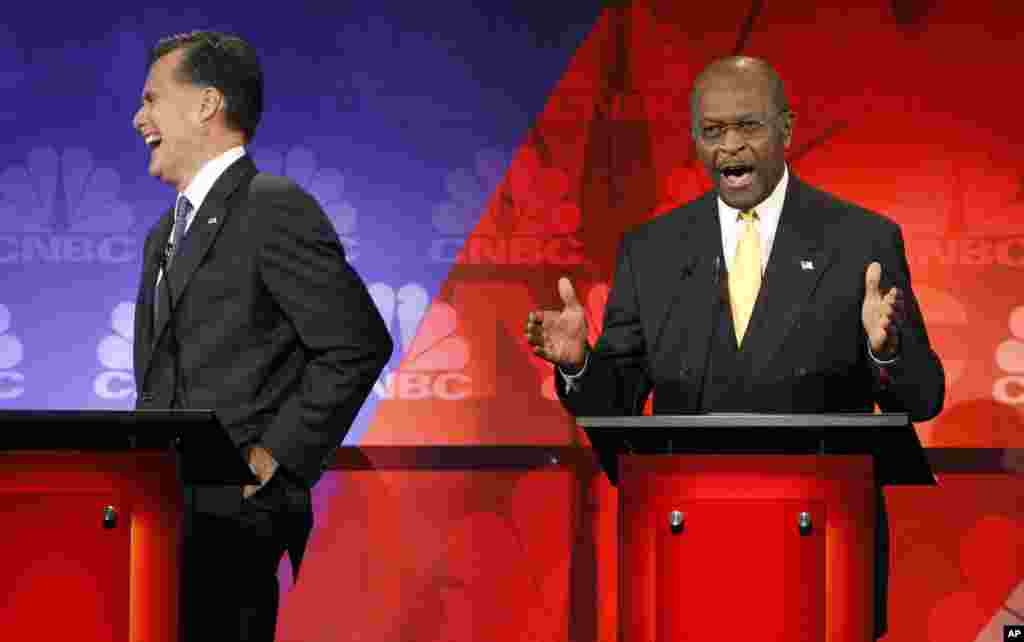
<point x="806" y="265"/>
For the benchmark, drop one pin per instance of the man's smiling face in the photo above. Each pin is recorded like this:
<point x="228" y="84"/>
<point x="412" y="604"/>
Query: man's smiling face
<point x="169" y="121"/>
<point x="741" y="134"/>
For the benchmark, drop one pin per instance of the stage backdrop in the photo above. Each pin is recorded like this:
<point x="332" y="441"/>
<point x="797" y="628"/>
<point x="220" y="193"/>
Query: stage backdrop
<point x="469" y="154"/>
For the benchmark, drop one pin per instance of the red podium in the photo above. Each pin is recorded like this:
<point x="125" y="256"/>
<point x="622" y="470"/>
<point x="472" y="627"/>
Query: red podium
<point x="751" y="526"/>
<point x="91" y="507"/>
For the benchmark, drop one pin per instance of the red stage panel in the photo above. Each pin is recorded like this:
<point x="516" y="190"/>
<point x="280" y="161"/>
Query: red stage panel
<point x="67" y="576"/>
<point x="60" y="560"/>
<point x="739" y="559"/>
<point x="739" y="565"/>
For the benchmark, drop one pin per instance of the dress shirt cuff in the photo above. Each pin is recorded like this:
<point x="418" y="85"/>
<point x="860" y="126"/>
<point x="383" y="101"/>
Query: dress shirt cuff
<point x="883" y="362"/>
<point x="571" y="381"/>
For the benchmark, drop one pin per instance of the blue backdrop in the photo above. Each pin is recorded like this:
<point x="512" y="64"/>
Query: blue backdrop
<point x="399" y="117"/>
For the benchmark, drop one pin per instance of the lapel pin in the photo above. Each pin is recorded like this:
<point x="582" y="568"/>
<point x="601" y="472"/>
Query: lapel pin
<point x="212" y="220"/>
<point x="806" y="265"/>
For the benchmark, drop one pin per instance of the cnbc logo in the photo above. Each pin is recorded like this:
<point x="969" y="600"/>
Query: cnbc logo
<point x="59" y="207"/>
<point x="434" y="356"/>
<point x="326" y="184"/>
<point x="116" y="381"/>
<point x="532" y="220"/>
<point x="962" y="214"/>
<point x="12" y="382"/>
<point x="1005" y="252"/>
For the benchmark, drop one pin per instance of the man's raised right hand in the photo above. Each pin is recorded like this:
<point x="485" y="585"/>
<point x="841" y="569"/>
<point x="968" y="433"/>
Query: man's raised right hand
<point x="560" y="336"/>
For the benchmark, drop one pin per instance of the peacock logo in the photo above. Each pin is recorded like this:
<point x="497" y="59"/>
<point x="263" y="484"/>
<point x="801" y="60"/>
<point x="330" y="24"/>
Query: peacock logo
<point x="325" y="184"/>
<point x="434" y="355"/>
<point x="1009" y="389"/>
<point x="116" y="381"/>
<point x="12" y="382"/>
<point x="530" y="218"/>
<point x="61" y="207"/>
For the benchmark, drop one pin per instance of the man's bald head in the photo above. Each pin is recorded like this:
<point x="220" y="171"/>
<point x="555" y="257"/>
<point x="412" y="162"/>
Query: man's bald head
<point x="739" y="69"/>
<point x="742" y="128"/>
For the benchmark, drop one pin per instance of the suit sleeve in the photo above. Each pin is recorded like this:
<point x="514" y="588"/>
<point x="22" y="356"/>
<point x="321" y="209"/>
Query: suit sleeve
<point x="916" y="383"/>
<point x="303" y="266"/>
<point x="615" y="381"/>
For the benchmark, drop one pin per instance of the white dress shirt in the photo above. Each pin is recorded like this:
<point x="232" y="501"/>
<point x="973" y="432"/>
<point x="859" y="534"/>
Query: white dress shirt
<point x="768" y="213"/>
<point x="202" y="183"/>
<point x="200" y="187"/>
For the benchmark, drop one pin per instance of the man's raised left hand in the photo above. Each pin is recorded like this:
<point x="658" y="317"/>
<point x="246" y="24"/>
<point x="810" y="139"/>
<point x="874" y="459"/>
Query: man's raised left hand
<point x="882" y="314"/>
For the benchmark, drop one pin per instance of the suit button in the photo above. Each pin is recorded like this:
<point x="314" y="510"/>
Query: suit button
<point x="146" y="397"/>
<point x="800" y="372"/>
<point x="684" y="372"/>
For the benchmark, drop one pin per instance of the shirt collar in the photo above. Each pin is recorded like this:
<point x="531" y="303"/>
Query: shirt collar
<point x="768" y="211"/>
<point x="208" y="174"/>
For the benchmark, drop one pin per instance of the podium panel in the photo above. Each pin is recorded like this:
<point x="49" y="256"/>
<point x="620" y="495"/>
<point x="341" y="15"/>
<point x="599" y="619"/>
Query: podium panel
<point x="742" y="476"/>
<point x="60" y="560"/>
<point x="715" y="576"/>
<point x="778" y="544"/>
<point x="92" y="504"/>
<point x="92" y="546"/>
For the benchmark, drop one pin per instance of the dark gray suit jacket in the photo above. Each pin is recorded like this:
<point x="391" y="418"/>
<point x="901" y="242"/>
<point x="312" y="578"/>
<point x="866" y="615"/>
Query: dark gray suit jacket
<point x="805" y="350"/>
<point x="277" y="334"/>
<point x="806" y="344"/>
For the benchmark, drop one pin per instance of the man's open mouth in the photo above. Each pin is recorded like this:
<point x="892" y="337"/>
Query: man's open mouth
<point x="736" y="176"/>
<point x="153" y="141"/>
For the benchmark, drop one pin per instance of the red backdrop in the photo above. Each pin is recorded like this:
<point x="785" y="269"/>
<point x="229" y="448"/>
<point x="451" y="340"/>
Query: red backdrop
<point x="909" y="108"/>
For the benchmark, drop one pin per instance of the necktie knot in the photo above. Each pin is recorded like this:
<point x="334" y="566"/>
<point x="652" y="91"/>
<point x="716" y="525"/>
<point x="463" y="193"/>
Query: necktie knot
<point x="748" y="216"/>
<point x="182" y="209"/>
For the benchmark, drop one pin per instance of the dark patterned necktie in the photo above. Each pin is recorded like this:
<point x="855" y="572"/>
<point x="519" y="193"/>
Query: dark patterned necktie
<point x="181" y="211"/>
<point x="162" y="300"/>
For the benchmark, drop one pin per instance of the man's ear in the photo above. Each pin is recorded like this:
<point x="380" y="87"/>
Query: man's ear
<point x="788" y="118"/>
<point x="211" y="102"/>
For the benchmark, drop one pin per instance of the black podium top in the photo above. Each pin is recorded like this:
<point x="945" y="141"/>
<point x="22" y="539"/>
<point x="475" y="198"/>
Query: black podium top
<point x="890" y="438"/>
<point x="208" y="456"/>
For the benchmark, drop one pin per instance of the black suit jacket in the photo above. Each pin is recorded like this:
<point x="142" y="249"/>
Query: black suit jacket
<point x="276" y="333"/>
<point x="805" y="347"/>
<point x="806" y="344"/>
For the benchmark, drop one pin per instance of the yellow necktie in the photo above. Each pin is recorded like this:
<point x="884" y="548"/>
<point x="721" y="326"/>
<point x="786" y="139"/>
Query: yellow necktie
<point x="745" y="275"/>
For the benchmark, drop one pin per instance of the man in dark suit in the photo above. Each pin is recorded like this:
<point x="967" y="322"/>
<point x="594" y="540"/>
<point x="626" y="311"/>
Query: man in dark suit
<point x="246" y="306"/>
<point x="763" y="295"/>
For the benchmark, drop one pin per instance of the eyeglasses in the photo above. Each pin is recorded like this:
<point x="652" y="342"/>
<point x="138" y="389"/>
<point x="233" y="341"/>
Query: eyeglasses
<point x="748" y="129"/>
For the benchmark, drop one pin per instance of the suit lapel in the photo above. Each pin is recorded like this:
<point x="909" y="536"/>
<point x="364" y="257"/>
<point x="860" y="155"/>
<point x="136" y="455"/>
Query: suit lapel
<point x="150" y="268"/>
<point x="203" y="232"/>
<point x="797" y="262"/>
<point x="689" y="309"/>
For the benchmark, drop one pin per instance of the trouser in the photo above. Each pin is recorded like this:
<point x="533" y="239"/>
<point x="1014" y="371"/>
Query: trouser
<point x="229" y="569"/>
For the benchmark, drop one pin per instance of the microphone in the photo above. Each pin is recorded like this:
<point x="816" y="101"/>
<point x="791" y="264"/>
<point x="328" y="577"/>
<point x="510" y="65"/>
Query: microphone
<point x="179" y="383"/>
<point x="165" y="260"/>
<point x="716" y="298"/>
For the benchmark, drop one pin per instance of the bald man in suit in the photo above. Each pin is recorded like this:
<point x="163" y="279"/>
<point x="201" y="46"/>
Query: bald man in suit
<point x="763" y="295"/>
